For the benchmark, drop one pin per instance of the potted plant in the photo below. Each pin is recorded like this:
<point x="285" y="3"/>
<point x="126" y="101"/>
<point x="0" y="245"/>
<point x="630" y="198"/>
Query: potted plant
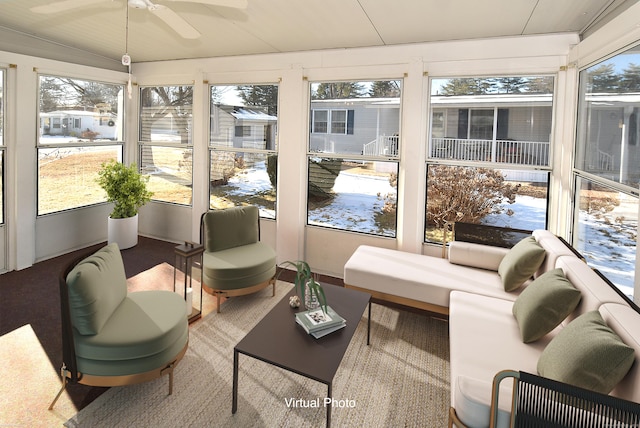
<point x="306" y="284"/>
<point x="127" y="189"/>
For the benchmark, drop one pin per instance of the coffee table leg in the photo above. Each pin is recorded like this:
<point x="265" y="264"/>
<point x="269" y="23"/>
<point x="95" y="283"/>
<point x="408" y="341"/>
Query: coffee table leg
<point x="369" y="324"/>
<point x="234" y="404"/>
<point x="329" y="406"/>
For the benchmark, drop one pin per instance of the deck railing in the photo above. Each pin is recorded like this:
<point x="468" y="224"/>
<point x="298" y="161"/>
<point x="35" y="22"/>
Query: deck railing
<point x="501" y="151"/>
<point x="384" y="145"/>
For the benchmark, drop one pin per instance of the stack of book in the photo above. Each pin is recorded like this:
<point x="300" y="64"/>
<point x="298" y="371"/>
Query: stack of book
<point x="318" y="323"/>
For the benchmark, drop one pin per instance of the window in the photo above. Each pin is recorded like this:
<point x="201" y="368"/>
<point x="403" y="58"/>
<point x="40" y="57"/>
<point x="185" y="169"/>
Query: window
<point x="353" y="168"/>
<point x="607" y="167"/>
<point x="166" y="148"/>
<point x="320" y="121"/>
<point x="488" y="158"/>
<point x="243" y="139"/>
<point x="73" y="142"/>
<point x="2" y="144"/>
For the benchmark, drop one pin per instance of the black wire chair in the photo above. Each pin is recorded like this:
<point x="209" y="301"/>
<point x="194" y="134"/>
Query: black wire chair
<point x="545" y="403"/>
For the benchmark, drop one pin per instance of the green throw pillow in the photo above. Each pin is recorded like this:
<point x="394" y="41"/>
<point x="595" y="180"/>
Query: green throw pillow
<point x="520" y="263"/>
<point x="587" y="354"/>
<point x="544" y="304"/>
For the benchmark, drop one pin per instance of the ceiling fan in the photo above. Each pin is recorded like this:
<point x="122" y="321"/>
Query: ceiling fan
<point x="166" y="14"/>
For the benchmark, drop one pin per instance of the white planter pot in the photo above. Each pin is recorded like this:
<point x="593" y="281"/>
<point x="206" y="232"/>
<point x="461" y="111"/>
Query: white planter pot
<point x="123" y="231"/>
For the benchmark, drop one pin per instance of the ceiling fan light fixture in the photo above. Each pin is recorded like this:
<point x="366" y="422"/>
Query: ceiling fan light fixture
<point x="138" y="4"/>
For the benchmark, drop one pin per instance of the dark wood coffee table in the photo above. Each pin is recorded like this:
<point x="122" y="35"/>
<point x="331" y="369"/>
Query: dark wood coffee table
<point x="277" y="339"/>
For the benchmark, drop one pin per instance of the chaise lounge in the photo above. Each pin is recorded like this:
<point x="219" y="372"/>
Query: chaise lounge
<point x="536" y="308"/>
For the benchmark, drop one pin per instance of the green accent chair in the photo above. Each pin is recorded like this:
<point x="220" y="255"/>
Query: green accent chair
<point x="235" y="262"/>
<point x="111" y="337"/>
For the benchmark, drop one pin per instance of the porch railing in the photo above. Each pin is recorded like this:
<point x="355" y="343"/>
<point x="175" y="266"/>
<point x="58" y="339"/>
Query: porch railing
<point x="501" y="151"/>
<point x="384" y="145"/>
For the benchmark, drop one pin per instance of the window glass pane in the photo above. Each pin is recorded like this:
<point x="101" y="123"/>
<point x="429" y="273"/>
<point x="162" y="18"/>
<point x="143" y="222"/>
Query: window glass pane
<point x="80" y="122"/>
<point x="609" y="119"/>
<point x="170" y="171"/>
<point x="74" y="110"/>
<point x="505" y="198"/>
<point x="244" y="116"/>
<point x="244" y="123"/>
<point x="166" y="114"/>
<point x="492" y="119"/>
<point x="1" y="186"/>
<point x="607" y="222"/>
<point x="67" y="176"/>
<point x="355" y="118"/>
<point x="238" y="179"/>
<point x="353" y="195"/>
<point x="1" y="109"/>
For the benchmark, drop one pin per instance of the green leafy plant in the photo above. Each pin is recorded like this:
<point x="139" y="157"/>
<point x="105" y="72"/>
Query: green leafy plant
<point x="125" y="187"/>
<point x="306" y="279"/>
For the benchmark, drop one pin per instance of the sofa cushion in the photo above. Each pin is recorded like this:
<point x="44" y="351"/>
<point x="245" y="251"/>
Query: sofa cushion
<point x="587" y="354"/>
<point x="520" y="263"/>
<point x="97" y="286"/>
<point x="544" y="304"/>
<point x="239" y="267"/>
<point x="466" y="254"/>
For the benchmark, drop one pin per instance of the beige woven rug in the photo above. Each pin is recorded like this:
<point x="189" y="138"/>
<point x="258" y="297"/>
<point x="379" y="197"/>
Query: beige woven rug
<point x="400" y="380"/>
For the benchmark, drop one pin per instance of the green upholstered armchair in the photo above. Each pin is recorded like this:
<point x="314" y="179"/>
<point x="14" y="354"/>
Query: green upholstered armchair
<point x="111" y="337"/>
<point x="235" y="262"/>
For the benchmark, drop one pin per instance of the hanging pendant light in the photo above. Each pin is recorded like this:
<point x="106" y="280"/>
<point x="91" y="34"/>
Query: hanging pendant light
<point x="126" y="59"/>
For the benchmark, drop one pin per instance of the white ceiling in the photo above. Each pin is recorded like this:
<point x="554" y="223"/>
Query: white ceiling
<point x="95" y="33"/>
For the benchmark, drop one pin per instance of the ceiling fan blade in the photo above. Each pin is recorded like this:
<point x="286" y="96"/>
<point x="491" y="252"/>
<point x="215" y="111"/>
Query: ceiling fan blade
<point x="64" y="5"/>
<point x="175" y="21"/>
<point x="237" y="4"/>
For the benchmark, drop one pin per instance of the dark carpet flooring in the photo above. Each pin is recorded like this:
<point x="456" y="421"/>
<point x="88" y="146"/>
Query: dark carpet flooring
<point x="31" y="296"/>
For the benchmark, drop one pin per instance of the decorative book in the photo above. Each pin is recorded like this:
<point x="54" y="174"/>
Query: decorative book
<point x="316" y="320"/>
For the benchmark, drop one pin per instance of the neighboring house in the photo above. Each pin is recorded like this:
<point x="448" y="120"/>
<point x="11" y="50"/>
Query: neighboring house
<point x="79" y="124"/>
<point x="243" y="127"/>
<point x="612" y="133"/>
<point x="361" y="126"/>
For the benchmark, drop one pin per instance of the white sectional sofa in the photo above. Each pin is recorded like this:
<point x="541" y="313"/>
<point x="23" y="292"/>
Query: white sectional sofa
<point x="485" y="336"/>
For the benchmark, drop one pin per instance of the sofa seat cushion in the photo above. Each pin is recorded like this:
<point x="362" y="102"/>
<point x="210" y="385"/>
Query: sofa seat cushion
<point x="544" y="304"/>
<point x="418" y="277"/>
<point x="97" y="286"/>
<point x="484" y="340"/>
<point x="239" y="267"/>
<point x="146" y="324"/>
<point x="587" y="354"/>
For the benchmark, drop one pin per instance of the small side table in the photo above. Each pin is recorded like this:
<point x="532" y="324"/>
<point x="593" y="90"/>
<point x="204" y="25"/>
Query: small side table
<point x="187" y="256"/>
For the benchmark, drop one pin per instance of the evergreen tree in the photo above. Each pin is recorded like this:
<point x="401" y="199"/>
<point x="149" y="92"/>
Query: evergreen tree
<point x="540" y="85"/>
<point x="385" y="89"/>
<point x="603" y="78"/>
<point x="630" y="81"/>
<point x="260" y="95"/>
<point x="338" y="90"/>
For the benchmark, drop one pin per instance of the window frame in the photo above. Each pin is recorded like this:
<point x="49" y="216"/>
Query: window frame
<point x="168" y="143"/>
<point x="215" y="126"/>
<point x="3" y="86"/>
<point x="580" y="170"/>
<point x="481" y="162"/>
<point x="313" y="156"/>
<point x="40" y="145"/>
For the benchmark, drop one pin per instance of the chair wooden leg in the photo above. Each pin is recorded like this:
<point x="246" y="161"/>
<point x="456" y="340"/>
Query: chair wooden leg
<point x="63" y="375"/>
<point x="274" y="288"/>
<point x="218" y="301"/>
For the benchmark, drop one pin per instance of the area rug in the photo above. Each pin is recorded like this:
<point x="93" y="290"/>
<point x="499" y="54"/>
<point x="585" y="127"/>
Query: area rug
<point x="401" y="379"/>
